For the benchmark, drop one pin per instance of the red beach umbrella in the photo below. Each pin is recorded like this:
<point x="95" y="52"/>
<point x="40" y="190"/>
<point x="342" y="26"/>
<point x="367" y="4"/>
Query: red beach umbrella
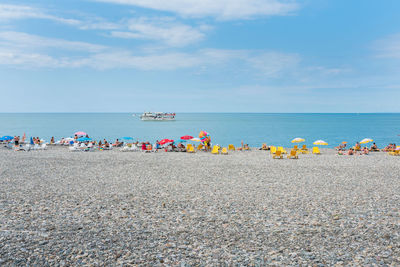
<point x="186" y="137"/>
<point x="164" y="141"/>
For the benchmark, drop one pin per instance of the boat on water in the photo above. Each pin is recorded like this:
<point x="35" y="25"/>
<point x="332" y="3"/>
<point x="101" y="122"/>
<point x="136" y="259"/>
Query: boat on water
<point x="157" y="116"/>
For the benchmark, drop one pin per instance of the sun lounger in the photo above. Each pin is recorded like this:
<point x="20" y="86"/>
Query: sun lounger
<point x="272" y="150"/>
<point x="293" y="154"/>
<point x="224" y="151"/>
<point x="315" y="150"/>
<point x="200" y="147"/>
<point x="215" y="150"/>
<point x="282" y="150"/>
<point x="231" y="147"/>
<point x="190" y="149"/>
<point x="278" y="155"/>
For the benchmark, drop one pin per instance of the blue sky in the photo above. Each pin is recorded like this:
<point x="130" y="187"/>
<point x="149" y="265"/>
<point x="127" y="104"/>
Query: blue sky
<point x="200" y="56"/>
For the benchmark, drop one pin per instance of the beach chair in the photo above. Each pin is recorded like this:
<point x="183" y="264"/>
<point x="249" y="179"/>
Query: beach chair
<point x="315" y="150"/>
<point x="293" y="154"/>
<point x="200" y="147"/>
<point x="231" y="147"/>
<point x="283" y="151"/>
<point x="224" y="151"/>
<point x="188" y="146"/>
<point x="215" y="150"/>
<point x="273" y="150"/>
<point x="395" y="153"/>
<point x="190" y="149"/>
<point x="304" y="150"/>
<point x="296" y="147"/>
<point x="278" y="155"/>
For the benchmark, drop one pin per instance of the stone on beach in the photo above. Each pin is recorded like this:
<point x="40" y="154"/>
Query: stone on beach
<point x="112" y="208"/>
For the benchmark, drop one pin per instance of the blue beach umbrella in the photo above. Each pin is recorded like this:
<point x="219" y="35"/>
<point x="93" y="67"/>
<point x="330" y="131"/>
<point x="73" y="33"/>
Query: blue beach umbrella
<point x="7" y="138"/>
<point x="31" y="141"/>
<point x="84" y="139"/>
<point x="127" y="138"/>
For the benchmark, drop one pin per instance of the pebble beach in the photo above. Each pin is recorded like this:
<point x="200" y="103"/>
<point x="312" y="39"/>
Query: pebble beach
<point x="112" y="208"/>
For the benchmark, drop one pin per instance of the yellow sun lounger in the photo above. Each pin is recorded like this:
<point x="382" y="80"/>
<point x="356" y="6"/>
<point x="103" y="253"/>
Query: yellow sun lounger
<point x="200" y="147"/>
<point x="293" y="154"/>
<point x="395" y="153"/>
<point x="282" y="150"/>
<point x="231" y="147"/>
<point x="190" y="149"/>
<point x="315" y="150"/>
<point x="273" y="150"/>
<point x="215" y="150"/>
<point x="278" y="155"/>
<point x="224" y="151"/>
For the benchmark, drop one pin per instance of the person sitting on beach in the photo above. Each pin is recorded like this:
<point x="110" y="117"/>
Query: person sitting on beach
<point x="143" y="146"/>
<point x="75" y="137"/>
<point x="246" y="147"/>
<point x="264" y="147"/>
<point x="181" y="147"/>
<point x="357" y="147"/>
<point x="374" y="147"/>
<point x="365" y="151"/>
<point x="350" y="152"/>
<point x="52" y="140"/>
<point x="117" y="143"/>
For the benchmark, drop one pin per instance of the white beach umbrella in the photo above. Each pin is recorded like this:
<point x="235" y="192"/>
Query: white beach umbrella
<point x="298" y="140"/>
<point x="366" y="140"/>
<point x="320" y="143"/>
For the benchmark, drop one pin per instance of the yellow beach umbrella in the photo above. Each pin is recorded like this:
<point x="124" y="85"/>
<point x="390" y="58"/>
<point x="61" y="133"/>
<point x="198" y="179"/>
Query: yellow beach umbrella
<point x="298" y="140"/>
<point x="320" y="143"/>
<point x="344" y="142"/>
<point x="366" y="140"/>
<point x="195" y="139"/>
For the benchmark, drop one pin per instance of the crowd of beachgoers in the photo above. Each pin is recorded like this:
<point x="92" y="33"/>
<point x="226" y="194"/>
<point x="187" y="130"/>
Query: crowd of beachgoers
<point x="85" y="143"/>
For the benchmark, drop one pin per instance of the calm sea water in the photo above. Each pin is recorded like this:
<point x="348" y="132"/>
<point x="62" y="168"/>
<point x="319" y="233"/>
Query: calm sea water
<point x="224" y="128"/>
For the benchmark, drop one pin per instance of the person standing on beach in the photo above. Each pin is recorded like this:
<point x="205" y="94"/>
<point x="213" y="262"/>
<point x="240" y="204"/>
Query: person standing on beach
<point x="16" y="140"/>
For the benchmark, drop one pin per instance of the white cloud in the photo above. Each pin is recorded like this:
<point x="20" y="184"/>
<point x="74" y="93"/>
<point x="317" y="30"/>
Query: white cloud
<point x="388" y="47"/>
<point x="12" y="12"/>
<point x="19" y="40"/>
<point x="221" y="9"/>
<point x="166" y="30"/>
<point x="21" y="49"/>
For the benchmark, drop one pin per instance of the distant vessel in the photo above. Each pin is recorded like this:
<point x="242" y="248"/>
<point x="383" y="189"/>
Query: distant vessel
<point x="157" y="116"/>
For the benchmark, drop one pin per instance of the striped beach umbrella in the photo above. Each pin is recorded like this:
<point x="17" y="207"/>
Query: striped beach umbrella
<point x="298" y="140"/>
<point x="366" y="140"/>
<point x="320" y="143"/>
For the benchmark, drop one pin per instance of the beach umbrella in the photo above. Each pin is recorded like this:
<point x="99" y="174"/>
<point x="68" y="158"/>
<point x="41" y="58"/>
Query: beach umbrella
<point x="7" y="138"/>
<point x="298" y="140"/>
<point x="344" y="143"/>
<point x="80" y="133"/>
<point x="165" y="141"/>
<point x="195" y="139"/>
<point x="31" y="142"/>
<point x="84" y="139"/>
<point x="320" y="143"/>
<point x="186" y="137"/>
<point x="366" y="140"/>
<point x="127" y="138"/>
<point x="204" y="137"/>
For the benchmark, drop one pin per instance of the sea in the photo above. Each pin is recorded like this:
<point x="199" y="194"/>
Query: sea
<point x="224" y="128"/>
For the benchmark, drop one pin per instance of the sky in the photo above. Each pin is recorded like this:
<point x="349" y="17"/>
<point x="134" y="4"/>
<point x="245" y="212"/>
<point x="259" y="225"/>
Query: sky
<point x="200" y="56"/>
